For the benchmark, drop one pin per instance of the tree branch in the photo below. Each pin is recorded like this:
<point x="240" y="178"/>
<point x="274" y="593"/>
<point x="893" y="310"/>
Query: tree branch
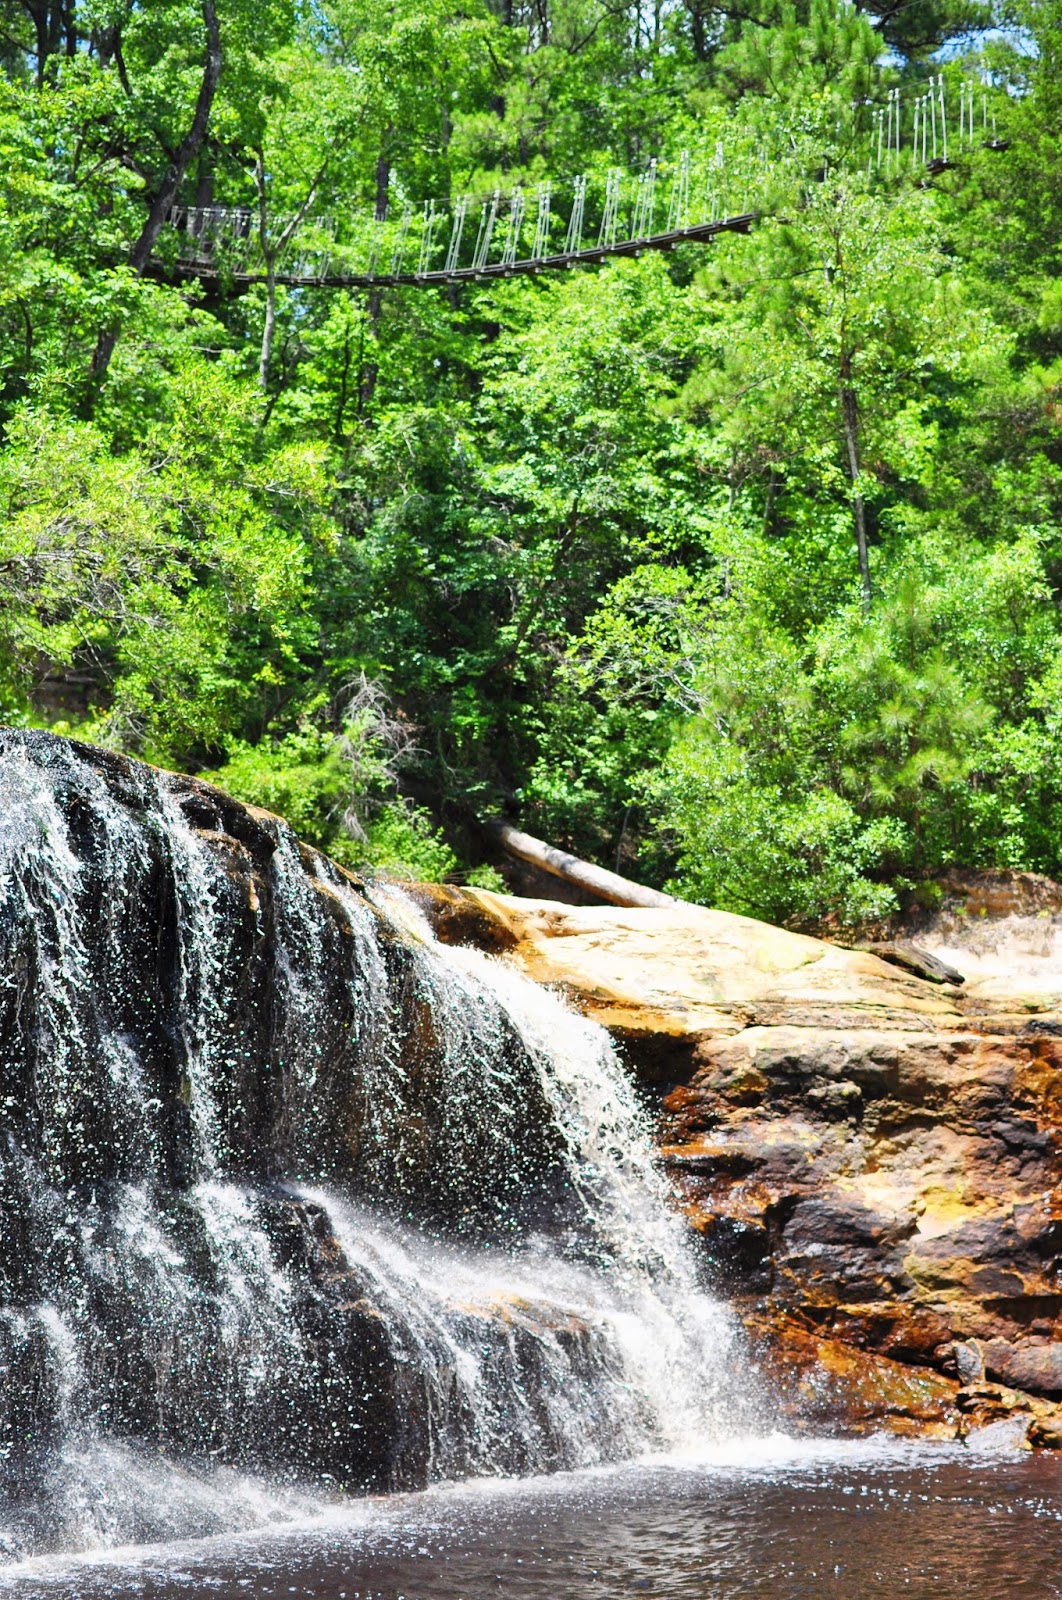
<point x="187" y="150"/>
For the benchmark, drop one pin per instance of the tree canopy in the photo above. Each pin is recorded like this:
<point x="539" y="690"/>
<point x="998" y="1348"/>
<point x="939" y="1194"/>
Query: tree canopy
<point x="737" y="568"/>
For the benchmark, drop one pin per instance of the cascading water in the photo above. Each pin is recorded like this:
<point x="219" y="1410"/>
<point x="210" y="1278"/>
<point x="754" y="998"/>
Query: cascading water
<point x="292" y="1197"/>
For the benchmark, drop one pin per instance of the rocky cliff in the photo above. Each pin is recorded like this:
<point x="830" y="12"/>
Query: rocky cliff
<point x="872" y="1160"/>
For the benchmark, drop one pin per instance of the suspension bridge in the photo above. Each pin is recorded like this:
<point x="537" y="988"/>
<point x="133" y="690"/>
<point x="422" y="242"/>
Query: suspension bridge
<point x="724" y="189"/>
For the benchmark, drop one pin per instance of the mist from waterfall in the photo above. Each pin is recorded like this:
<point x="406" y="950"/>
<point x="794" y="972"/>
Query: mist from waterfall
<point x="297" y="1202"/>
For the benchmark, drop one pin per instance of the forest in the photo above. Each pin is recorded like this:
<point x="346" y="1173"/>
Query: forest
<point x="736" y="568"/>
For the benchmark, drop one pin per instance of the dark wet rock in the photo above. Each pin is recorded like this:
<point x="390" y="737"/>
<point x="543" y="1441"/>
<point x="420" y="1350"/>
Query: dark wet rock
<point x="201" y="1023"/>
<point x="1045" y="1433"/>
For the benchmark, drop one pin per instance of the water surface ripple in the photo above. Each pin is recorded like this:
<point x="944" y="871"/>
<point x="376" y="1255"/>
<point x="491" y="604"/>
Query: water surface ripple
<point x="844" y="1521"/>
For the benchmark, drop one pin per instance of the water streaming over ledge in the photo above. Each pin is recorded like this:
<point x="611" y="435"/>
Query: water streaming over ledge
<point x="295" y="1201"/>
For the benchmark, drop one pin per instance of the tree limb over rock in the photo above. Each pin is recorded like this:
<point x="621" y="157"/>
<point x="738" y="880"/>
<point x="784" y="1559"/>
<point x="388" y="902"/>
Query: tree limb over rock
<point x="581" y="874"/>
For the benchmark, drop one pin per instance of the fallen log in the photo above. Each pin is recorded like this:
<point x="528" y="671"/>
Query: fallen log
<point x="580" y="874"/>
<point x="913" y="959"/>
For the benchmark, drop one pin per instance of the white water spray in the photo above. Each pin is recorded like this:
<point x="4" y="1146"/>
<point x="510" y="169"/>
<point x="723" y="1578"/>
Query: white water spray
<point x="298" y="1201"/>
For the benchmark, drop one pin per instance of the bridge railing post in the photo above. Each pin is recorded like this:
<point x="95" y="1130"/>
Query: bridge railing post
<point x="457" y="228"/>
<point x="516" y="223"/>
<point x="540" y="246"/>
<point x="573" y="239"/>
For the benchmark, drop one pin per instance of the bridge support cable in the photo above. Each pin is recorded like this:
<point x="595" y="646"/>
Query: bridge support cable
<point x="453" y="252"/>
<point x="403" y="235"/>
<point x="643" y="204"/>
<point x="540" y="247"/>
<point x="715" y="184"/>
<point x="427" y="238"/>
<point x="933" y="116"/>
<point x="487" y="218"/>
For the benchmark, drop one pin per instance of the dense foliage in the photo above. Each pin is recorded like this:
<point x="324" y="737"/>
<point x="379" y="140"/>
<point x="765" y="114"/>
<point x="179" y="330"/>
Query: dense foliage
<point x="581" y="548"/>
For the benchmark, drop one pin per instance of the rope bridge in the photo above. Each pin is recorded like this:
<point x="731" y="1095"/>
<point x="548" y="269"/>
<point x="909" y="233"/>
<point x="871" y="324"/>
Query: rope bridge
<point x="526" y="231"/>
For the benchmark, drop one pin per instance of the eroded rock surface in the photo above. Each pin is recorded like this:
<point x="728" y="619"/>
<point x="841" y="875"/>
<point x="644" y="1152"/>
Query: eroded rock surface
<point x="873" y="1161"/>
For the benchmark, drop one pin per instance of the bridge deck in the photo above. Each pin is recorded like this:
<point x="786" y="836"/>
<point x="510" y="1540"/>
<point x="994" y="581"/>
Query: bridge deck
<point x="700" y="233"/>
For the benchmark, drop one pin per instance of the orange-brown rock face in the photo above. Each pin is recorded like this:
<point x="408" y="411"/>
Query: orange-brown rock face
<point x="872" y="1161"/>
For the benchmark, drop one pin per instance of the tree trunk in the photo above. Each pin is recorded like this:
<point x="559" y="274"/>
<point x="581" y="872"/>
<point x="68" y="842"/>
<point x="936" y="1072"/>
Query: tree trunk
<point x="850" y="416"/>
<point x="270" y="323"/>
<point x="374" y="300"/>
<point x="272" y="250"/>
<point x="383" y="185"/>
<point x="185" y="154"/>
<point x="583" y="875"/>
<point x="40" y="34"/>
<point x="204" y="186"/>
<point x="698" y="30"/>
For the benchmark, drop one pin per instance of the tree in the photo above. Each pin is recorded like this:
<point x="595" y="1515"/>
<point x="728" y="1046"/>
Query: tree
<point x="763" y="543"/>
<point x="846" y="332"/>
<point x="165" y="191"/>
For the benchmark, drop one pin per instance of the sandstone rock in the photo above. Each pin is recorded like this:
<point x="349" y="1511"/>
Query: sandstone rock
<point x="872" y="1162"/>
<point x="1036" y="1367"/>
<point x="1003" y="930"/>
<point x="685" y="970"/>
<point x="821" y="1382"/>
<point x="969" y="1360"/>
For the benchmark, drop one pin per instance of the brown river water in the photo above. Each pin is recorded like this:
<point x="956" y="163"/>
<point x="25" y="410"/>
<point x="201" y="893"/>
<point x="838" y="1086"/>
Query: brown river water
<point x="774" y="1520"/>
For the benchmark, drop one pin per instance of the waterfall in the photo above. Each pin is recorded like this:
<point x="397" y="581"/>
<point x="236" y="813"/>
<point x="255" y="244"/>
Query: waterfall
<point x="295" y="1201"/>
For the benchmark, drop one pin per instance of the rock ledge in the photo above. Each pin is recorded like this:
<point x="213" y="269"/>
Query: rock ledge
<point x="873" y="1161"/>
